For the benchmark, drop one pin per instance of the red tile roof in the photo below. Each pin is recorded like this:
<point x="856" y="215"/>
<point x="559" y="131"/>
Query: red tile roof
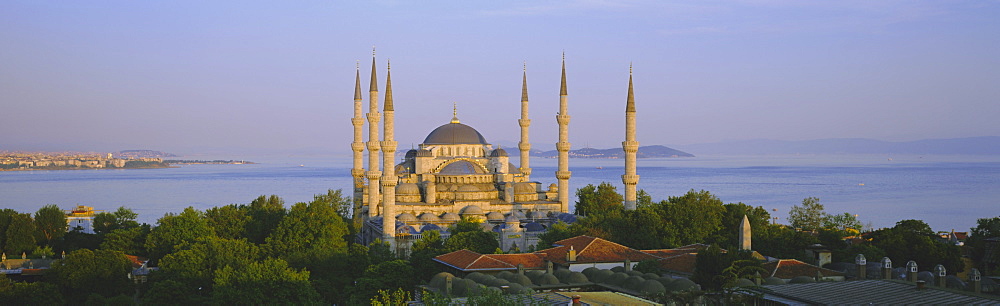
<point x="682" y="263"/>
<point x="466" y="260"/>
<point x="790" y="268"/>
<point x="593" y="250"/>
<point x="136" y="261"/>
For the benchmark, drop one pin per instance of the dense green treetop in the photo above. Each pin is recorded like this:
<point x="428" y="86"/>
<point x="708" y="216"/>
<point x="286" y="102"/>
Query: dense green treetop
<point x="265" y="214"/>
<point x="314" y="229"/>
<point x="91" y="271"/>
<point x="123" y="218"/>
<point x="176" y="229"/>
<point x="986" y="228"/>
<point x="914" y="240"/>
<point x="195" y="263"/>
<point x="602" y="199"/>
<point x="265" y="282"/>
<point x="51" y="223"/>
<point x="809" y="216"/>
<point x="229" y="222"/>
<point x="20" y="235"/>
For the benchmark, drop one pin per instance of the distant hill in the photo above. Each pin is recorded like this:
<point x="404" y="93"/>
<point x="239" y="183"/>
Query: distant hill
<point x="142" y="154"/>
<point x="644" y="152"/>
<point x="987" y="145"/>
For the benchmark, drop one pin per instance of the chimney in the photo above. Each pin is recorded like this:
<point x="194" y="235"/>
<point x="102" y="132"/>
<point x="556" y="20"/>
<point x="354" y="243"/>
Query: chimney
<point x="862" y="265"/>
<point x="939" y="275"/>
<point x="571" y="255"/>
<point x="976" y="281"/>
<point x="921" y="284"/>
<point x="819" y="275"/>
<point x="447" y="285"/>
<point x="886" y="268"/>
<point x="548" y="267"/>
<point x="576" y="300"/>
<point x="756" y="278"/>
<point x="628" y="265"/>
<point x="520" y="269"/>
<point x="911" y="271"/>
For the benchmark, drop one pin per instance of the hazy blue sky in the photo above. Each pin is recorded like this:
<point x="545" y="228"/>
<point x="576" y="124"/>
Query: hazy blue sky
<point x="196" y="76"/>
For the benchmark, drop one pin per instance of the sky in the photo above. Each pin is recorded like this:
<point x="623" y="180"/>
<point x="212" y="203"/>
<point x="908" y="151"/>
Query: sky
<point x="193" y="77"/>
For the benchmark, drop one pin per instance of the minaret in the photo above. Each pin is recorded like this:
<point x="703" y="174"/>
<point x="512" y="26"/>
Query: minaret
<point x="631" y="146"/>
<point x="358" y="146"/>
<point x="745" y="234"/>
<point x="389" y="174"/>
<point x="373" y="145"/>
<point x="524" y="145"/>
<point x="563" y="145"/>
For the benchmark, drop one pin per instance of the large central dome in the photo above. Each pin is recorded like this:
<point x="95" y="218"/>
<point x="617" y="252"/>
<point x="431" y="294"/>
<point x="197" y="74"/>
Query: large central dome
<point x="455" y="133"/>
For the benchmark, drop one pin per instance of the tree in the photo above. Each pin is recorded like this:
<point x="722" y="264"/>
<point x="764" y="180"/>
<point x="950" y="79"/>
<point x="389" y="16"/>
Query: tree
<point x="598" y="200"/>
<point x="558" y="231"/>
<point x="196" y="263"/>
<point x="20" y="234"/>
<point x="176" y="229"/>
<point x="914" y="240"/>
<point x="264" y="282"/>
<point x="127" y="240"/>
<point x="337" y="200"/>
<point x="843" y="222"/>
<point x="308" y="231"/>
<point x="51" y="223"/>
<point x="423" y="252"/>
<point x="171" y="292"/>
<point x="715" y="270"/>
<point x="228" y="221"/>
<point x="24" y="293"/>
<point x="808" y="216"/>
<point x="84" y="271"/>
<point x="123" y="218"/>
<point x="265" y="214"/>
<point x="695" y="216"/>
<point x="732" y="218"/>
<point x="390" y="275"/>
<point x="784" y="242"/>
<point x="986" y="228"/>
<point x="477" y="241"/>
<point x="6" y="216"/>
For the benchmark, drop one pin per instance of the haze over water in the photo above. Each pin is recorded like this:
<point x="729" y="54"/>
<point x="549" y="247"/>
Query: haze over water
<point x="948" y="192"/>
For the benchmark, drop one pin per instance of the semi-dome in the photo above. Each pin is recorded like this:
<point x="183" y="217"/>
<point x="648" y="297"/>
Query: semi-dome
<point x="455" y="133"/>
<point x="462" y="167"/>
<point x="411" y="153"/>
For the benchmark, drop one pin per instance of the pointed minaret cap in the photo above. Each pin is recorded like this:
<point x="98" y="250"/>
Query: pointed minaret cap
<point x="524" y="83"/>
<point x="357" y="81"/>
<point x="454" y="113"/>
<point x="374" y="84"/>
<point x="388" y="88"/>
<point x="562" y="87"/>
<point x="630" y="104"/>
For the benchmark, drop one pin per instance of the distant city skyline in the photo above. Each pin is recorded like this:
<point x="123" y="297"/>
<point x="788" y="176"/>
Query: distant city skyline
<point x="191" y="77"/>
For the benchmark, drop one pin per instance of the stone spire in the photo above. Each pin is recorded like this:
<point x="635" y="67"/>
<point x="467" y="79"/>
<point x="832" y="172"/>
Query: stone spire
<point x="358" y="146"/>
<point x="631" y="146"/>
<point x="745" y="234"/>
<point x="389" y="178"/>
<point x="524" y="122"/>
<point x="374" y="146"/>
<point x="563" y="145"/>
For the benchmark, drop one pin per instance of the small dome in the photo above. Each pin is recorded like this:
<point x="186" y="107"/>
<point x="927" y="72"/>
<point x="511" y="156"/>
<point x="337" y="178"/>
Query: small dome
<point x="601" y="276"/>
<point x="682" y="284"/>
<point x="745" y="283"/>
<point x="534" y="215"/>
<point x="801" y="280"/>
<point x="406" y="229"/>
<point x="616" y="279"/>
<point x="566" y="217"/>
<point x="547" y="279"/>
<point x="634" y="273"/>
<point x="519" y="215"/>
<point x="534" y="227"/>
<point x="633" y="282"/>
<point x="468" y="188"/>
<point x="651" y="286"/>
<point x="455" y="133"/>
<point x="773" y="281"/>
<point x="494" y="216"/>
<point x="520" y="279"/>
<point x="589" y="272"/>
<point x="406" y="217"/>
<point x="575" y="278"/>
<point x="407" y="189"/>
<point x="462" y="167"/>
<point x="472" y="210"/>
<point x="524" y="188"/>
<point x="512" y="219"/>
<point x="430" y="227"/>
<point x="650" y="276"/>
<point x="505" y="275"/>
<point x="450" y="217"/>
<point x="498" y="153"/>
<point x="425" y="153"/>
<point x="411" y="153"/>
<point x="429" y="217"/>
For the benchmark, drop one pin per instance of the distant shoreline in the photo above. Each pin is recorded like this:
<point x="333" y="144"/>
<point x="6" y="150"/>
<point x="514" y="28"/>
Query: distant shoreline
<point x="85" y="168"/>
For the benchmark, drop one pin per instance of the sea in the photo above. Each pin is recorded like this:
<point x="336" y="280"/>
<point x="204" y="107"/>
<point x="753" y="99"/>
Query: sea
<point x="949" y="192"/>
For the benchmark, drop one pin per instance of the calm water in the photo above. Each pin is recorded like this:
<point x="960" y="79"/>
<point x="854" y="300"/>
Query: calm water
<point x="946" y="191"/>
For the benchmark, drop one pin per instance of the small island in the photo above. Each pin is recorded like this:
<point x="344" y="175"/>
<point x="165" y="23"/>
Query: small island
<point x="129" y="159"/>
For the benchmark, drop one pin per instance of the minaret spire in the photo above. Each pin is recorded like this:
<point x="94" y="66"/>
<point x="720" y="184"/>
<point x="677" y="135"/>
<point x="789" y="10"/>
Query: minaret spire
<point x="630" y="146"/>
<point x="389" y="178"/>
<point x="524" y="122"/>
<point x="373" y="174"/>
<point x="358" y="146"/>
<point x="454" y="112"/>
<point x="563" y="145"/>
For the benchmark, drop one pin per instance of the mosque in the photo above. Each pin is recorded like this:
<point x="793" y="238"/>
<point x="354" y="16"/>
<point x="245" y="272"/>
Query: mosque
<point x="455" y="173"/>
